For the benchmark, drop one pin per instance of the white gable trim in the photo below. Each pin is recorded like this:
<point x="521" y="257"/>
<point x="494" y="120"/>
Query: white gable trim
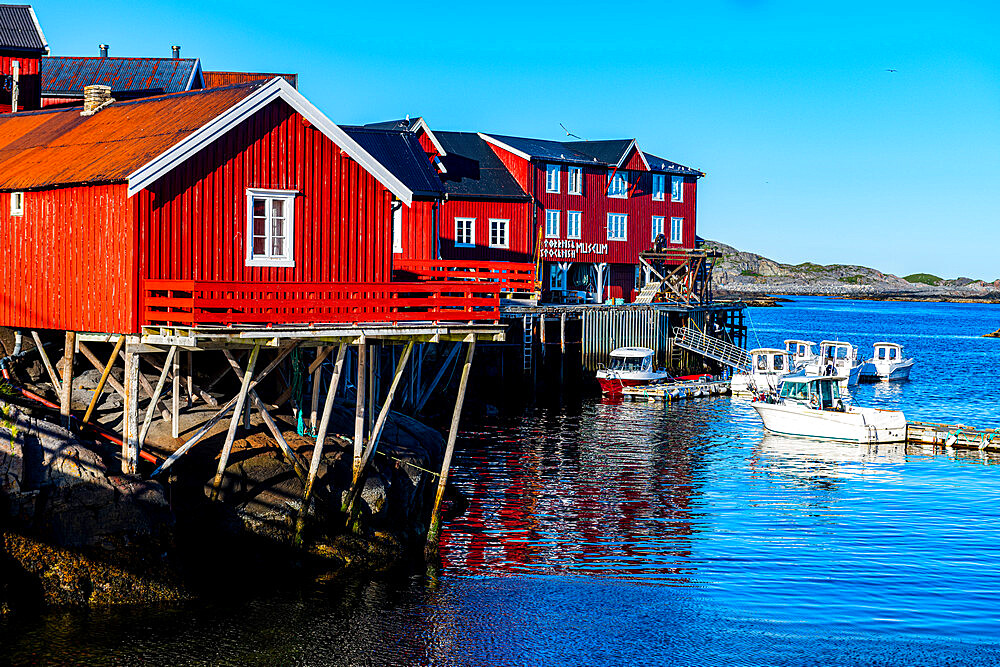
<point x="422" y="125"/>
<point x="496" y="142"/>
<point x="276" y="88"/>
<point x="628" y="151"/>
<point x="38" y="27"/>
<point x="195" y="75"/>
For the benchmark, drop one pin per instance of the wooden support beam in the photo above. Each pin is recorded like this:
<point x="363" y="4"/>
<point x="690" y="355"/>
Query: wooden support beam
<point x="234" y="421"/>
<point x="99" y="365"/>
<point x="66" y="386"/>
<point x="148" y="419"/>
<point x="376" y="432"/>
<point x="104" y="379"/>
<point x="317" y="455"/>
<point x="434" y="530"/>
<point x="53" y="376"/>
<point x="321" y="354"/>
<point x="317" y="374"/>
<point x="197" y="391"/>
<point x="429" y="391"/>
<point x="175" y="399"/>
<point x="359" y="407"/>
<point x="562" y="333"/>
<point x="130" y="428"/>
<point x="193" y="440"/>
<point x="190" y="378"/>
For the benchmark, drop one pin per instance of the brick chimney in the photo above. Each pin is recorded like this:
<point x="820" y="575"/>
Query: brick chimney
<point x="95" y="98"/>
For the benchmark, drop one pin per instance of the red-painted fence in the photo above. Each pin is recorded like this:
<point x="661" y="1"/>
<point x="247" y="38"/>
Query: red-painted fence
<point x="509" y="277"/>
<point x="189" y="302"/>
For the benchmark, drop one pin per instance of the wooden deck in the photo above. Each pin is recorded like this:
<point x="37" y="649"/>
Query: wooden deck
<point x="953" y="435"/>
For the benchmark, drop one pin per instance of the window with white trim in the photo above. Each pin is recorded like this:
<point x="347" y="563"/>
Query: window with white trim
<point x="17" y="203"/>
<point x="270" y="227"/>
<point x="676" y="230"/>
<point x="657" y="226"/>
<point x="573" y="224"/>
<point x="618" y="183"/>
<point x="552" y="178"/>
<point x="465" y="232"/>
<point x="617" y="227"/>
<point x="676" y="188"/>
<point x="397" y="226"/>
<point x="552" y="224"/>
<point x="659" y="187"/>
<point x="498" y="233"/>
<point x="557" y="277"/>
<point x="575" y="180"/>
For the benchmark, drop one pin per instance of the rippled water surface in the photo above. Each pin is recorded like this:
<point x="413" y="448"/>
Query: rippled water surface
<point x="638" y="533"/>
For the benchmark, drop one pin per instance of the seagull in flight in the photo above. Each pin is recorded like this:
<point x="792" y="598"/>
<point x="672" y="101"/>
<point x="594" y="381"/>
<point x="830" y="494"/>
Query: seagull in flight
<point x="891" y="70"/>
<point x="568" y="133"/>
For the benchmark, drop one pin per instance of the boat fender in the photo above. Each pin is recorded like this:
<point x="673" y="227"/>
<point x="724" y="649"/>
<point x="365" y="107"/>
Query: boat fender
<point x="813" y="401"/>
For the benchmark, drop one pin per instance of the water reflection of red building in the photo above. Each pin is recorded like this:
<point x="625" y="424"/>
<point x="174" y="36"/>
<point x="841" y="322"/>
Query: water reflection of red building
<point x="605" y="494"/>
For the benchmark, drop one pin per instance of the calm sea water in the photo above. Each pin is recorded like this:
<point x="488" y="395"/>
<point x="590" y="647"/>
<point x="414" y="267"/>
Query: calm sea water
<point x="634" y="533"/>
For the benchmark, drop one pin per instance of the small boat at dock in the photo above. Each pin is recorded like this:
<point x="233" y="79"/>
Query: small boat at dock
<point x="677" y="390"/>
<point x="837" y="358"/>
<point x="811" y="406"/>
<point x="768" y="367"/>
<point x="630" y="367"/>
<point x="888" y="364"/>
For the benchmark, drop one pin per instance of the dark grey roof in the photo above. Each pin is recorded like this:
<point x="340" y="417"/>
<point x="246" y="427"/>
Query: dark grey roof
<point x="400" y="153"/>
<point x="68" y="76"/>
<point x="543" y="149"/>
<point x="608" y="151"/>
<point x="402" y="124"/>
<point x="659" y="164"/>
<point x="474" y="170"/>
<point x="19" y="30"/>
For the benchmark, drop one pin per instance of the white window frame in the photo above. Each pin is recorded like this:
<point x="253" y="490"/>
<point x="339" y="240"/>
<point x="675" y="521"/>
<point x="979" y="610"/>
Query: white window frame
<point x="613" y="226"/>
<point x="575" y="179"/>
<point x="616" y="178"/>
<point x="571" y="227"/>
<point x="677" y="230"/>
<point x="552" y="177"/>
<point x="659" y="187"/>
<point x="397" y="226"/>
<point x="557" y="277"/>
<point x="287" y="258"/>
<point x="677" y="188"/>
<point x="657" y="226"/>
<point x="17" y="203"/>
<point x="550" y="217"/>
<point x="500" y="224"/>
<point x="459" y="224"/>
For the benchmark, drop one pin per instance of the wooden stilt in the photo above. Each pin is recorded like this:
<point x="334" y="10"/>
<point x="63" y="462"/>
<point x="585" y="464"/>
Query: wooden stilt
<point x="104" y="378"/>
<point x="434" y="531"/>
<point x="237" y="413"/>
<point x="175" y="399"/>
<point x="373" y="358"/>
<point x="429" y="391"/>
<point x="196" y="391"/>
<point x="130" y="431"/>
<point x="67" y="378"/>
<point x="151" y="408"/>
<point x="53" y="376"/>
<point x="314" y="405"/>
<point x="359" y="407"/>
<point x="99" y="365"/>
<point x="541" y="333"/>
<point x="562" y="333"/>
<point x="190" y="379"/>
<point x="317" y="455"/>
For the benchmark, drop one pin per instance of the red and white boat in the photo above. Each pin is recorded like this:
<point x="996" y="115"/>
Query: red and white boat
<point x="630" y="367"/>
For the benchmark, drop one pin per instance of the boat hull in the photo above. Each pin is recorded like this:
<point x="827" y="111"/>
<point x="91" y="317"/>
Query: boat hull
<point x="613" y="385"/>
<point x="855" y="425"/>
<point x="883" y="372"/>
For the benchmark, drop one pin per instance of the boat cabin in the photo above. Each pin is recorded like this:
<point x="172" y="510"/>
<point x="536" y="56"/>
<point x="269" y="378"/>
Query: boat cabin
<point x="888" y="351"/>
<point x="632" y="359"/>
<point x="767" y="360"/>
<point x="819" y="393"/>
<point x="833" y="351"/>
<point x="801" y="351"/>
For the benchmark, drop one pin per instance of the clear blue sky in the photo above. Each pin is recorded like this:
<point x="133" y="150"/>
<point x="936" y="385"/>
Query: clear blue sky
<point x="813" y="150"/>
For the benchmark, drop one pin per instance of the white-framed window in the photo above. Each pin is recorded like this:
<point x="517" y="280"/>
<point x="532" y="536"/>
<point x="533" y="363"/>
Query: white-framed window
<point x="676" y="230"/>
<point x="270" y="227"/>
<point x="676" y="188"/>
<point x="498" y="233"/>
<point x="17" y="203"/>
<point x="617" y="227"/>
<point x="557" y="277"/>
<point x="618" y="183"/>
<point x="659" y="187"/>
<point x="657" y="227"/>
<point x="573" y="224"/>
<point x="575" y="180"/>
<point x="552" y="224"/>
<point x="397" y="226"/>
<point x="552" y="178"/>
<point x="465" y="232"/>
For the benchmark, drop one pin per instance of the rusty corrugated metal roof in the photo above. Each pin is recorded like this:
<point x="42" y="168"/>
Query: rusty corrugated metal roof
<point x="67" y="76"/>
<point x="50" y="148"/>
<point x="216" y="79"/>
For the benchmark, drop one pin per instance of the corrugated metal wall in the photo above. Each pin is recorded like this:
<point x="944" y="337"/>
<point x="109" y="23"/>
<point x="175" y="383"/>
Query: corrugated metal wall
<point x="68" y="262"/>
<point x="604" y="330"/>
<point x="521" y="237"/>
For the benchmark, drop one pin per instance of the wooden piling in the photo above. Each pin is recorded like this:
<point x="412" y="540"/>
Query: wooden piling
<point x="434" y="530"/>
<point x="67" y="378"/>
<point x="151" y="409"/>
<point x="359" y="407"/>
<point x="130" y="430"/>
<point x="234" y="421"/>
<point x="175" y="399"/>
<point x="562" y="334"/>
<point x="53" y="376"/>
<point x="104" y="379"/>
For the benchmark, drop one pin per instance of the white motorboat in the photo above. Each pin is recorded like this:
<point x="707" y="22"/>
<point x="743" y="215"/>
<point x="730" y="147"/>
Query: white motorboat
<point x="768" y="366"/>
<point x="837" y="358"/>
<point x="888" y="364"/>
<point x="802" y="352"/>
<point x="811" y="406"/>
<point x="630" y="367"/>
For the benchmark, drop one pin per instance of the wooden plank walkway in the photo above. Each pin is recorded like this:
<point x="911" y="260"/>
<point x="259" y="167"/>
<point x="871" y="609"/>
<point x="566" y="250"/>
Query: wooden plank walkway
<point x="953" y="435"/>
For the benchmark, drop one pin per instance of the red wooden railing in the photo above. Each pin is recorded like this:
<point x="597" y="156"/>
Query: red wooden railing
<point x="190" y="302"/>
<point x="512" y="277"/>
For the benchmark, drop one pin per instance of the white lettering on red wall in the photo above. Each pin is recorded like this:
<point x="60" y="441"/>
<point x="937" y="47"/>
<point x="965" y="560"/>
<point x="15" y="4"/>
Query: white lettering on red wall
<point x="568" y="249"/>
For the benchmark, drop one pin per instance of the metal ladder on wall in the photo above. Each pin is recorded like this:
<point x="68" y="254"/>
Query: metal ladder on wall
<point x="712" y="348"/>
<point x="528" y="341"/>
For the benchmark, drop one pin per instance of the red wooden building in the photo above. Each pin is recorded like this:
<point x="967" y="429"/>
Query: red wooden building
<point x="22" y="45"/>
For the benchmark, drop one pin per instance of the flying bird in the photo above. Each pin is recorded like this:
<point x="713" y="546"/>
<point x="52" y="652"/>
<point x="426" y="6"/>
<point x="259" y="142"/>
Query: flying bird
<point x="891" y="70"/>
<point x="570" y="134"/>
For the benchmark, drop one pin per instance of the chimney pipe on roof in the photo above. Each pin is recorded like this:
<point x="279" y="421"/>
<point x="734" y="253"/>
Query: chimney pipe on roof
<point x="177" y="51"/>
<point x="103" y="50"/>
<point x="95" y="98"/>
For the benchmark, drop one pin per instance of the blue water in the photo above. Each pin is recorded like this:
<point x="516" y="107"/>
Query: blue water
<point x="637" y="533"/>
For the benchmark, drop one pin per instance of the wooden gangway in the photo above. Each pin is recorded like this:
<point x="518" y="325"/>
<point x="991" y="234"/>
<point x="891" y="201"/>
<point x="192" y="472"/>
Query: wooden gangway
<point x="694" y="340"/>
<point x="953" y="435"/>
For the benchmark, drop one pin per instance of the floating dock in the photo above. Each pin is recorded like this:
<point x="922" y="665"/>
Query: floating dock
<point x="953" y="435"/>
<point x="675" y="391"/>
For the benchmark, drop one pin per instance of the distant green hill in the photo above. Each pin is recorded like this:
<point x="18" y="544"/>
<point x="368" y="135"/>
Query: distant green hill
<point x="925" y="278"/>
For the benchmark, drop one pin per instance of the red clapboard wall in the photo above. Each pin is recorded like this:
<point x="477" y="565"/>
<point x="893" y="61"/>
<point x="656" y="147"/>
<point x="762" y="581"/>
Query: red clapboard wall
<point x="520" y="233"/>
<point x="29" y="83"/>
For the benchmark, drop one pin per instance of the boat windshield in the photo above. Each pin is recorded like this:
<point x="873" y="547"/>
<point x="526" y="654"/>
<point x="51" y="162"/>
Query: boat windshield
<point x="779" y="362"/>
<point x="827" y="394"/>
<point x="794" y="390"/>
<point x="631" y="363"/>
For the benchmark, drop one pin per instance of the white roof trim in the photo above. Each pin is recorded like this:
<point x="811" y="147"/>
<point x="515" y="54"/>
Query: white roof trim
<point x="422" y="124"/>
<point x="38" y="27"/>
<point x="195" y="71"/>
<point x="642" y="156"/>
<point x="496" y="142"/>
<point x="276" y="88"/>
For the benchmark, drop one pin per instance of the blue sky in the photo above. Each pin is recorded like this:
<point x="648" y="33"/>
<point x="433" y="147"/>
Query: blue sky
<point x="814" y="152"/>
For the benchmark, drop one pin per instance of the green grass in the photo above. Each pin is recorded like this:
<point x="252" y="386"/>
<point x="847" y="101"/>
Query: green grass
<point x="925" y="278"/>
<point x="856" y="279"/>
<point x="748" y="272"/>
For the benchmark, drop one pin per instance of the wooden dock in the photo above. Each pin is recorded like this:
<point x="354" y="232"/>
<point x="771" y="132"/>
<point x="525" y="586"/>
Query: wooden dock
<point x="953" y="435"/>
<point x="676" y="391"/>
